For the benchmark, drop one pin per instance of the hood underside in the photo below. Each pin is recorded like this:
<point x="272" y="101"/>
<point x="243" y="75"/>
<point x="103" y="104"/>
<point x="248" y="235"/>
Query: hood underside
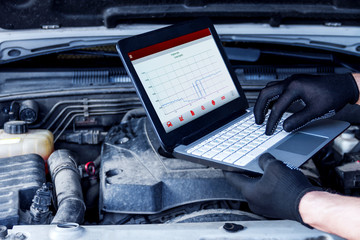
<point x="35" y="14"/>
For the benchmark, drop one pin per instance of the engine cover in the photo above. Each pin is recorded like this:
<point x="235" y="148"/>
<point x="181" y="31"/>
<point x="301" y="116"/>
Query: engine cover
<point x="20" y="177"/>
<point x="136" y="179"/>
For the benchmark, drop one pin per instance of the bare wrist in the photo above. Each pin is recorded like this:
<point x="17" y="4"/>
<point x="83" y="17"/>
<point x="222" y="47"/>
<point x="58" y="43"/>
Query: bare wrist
<point x="307" y="207"/>
<point x="357" y="80"/>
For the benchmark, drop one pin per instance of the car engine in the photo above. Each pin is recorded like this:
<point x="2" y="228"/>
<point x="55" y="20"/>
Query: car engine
<point x="104" y="164"/>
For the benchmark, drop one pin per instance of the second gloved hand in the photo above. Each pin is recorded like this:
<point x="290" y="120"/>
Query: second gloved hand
<point x="323" y="95"/>
<point x="277" y="193"/>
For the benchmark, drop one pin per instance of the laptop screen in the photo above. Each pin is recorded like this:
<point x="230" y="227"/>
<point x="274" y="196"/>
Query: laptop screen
<point x="184" y="77"/>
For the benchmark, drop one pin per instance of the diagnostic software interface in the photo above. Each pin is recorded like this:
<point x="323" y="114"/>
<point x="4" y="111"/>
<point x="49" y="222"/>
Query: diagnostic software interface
<point x="184" y="77"/>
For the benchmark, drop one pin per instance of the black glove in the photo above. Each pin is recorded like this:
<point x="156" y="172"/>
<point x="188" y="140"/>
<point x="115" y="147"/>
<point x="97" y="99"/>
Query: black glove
<point x="277" y="193"/>
<point x="323" y="95"/>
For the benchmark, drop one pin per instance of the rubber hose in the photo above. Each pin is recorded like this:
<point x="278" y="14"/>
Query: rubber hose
<point x="134" y="113"/>
<point x="66" y="179"/>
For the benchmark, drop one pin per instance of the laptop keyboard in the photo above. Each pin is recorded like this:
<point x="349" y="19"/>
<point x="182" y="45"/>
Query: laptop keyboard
<point x="240" y="143"/>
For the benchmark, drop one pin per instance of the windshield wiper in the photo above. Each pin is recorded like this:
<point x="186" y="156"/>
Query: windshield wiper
<point x="253" y="55"/>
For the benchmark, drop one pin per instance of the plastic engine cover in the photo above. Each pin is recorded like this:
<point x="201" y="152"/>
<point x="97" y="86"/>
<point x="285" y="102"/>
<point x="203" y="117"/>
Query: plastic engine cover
<point x="134" y="178"/>
<point x="20" y="177"/>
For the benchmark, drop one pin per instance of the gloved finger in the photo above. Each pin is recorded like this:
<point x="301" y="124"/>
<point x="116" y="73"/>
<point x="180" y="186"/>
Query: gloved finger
<point x="239" y="180"/>
<point x="272" y="83"/>
<point x="300" y="119"/>
<point x="265" y="159"/>
<point x="266" y="96"/>
<point x="278" y="109"/>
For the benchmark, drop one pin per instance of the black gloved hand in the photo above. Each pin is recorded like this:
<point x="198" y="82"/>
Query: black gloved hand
<point x="277" y="193"/>
<point x="323" y="95"/>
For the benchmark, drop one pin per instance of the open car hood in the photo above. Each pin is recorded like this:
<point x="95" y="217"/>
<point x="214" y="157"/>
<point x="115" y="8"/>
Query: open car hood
<point x="35" y="14"/>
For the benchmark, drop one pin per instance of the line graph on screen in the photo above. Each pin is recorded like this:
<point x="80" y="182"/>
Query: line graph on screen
<point x="185" y="82"/>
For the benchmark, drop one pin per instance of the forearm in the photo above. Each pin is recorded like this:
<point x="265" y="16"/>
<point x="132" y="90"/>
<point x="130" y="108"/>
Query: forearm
<point x="332" y="213"/>
<point x="357" y="79"/>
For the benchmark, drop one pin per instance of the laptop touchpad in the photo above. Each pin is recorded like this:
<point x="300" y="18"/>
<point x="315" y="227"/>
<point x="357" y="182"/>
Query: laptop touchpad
<point x="301" y="143"/>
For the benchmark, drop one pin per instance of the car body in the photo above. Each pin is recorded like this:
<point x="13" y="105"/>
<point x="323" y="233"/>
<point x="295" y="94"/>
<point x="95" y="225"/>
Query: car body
<point x="60" y="72"/>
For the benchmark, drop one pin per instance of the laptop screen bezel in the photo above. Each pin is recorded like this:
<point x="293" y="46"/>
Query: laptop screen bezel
<point x="201" y="125"/>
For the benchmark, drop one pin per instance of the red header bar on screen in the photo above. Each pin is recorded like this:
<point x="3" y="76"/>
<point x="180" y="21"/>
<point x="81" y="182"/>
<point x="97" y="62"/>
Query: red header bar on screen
<point x="143" y="52"/>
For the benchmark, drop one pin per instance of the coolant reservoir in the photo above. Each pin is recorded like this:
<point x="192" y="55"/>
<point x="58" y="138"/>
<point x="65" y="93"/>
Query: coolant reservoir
<point x="16" y="139"/>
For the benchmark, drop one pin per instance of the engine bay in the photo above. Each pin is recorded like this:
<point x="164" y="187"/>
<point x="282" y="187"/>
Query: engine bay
<point x="104" y="143"/>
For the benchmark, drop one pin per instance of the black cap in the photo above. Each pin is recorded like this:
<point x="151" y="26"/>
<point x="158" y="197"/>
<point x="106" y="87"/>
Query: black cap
<point x="15" y="127"/>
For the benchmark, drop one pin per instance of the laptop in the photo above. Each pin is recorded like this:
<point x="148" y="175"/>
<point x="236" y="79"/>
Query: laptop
<point x="197" y="107"/>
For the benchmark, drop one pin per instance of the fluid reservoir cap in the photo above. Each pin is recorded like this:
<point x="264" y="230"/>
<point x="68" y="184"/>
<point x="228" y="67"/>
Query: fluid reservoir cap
<point x="15" y="127"/>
